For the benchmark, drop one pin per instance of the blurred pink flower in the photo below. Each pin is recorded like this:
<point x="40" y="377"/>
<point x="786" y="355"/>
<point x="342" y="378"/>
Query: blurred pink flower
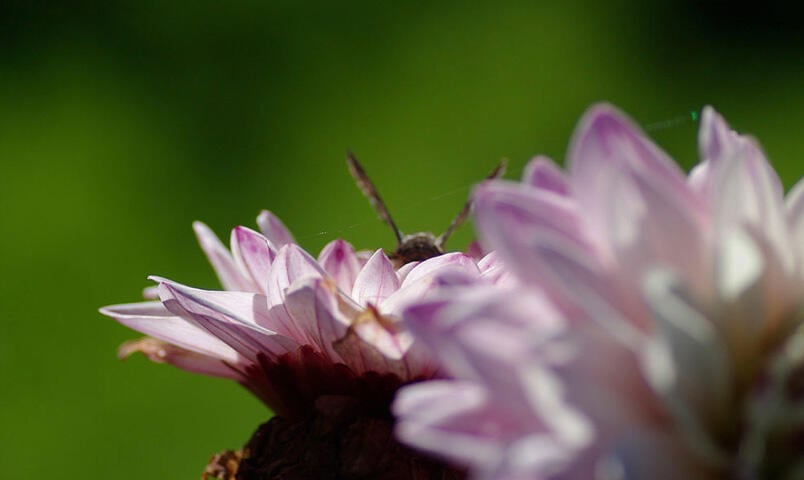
<point x="657" y="332"/>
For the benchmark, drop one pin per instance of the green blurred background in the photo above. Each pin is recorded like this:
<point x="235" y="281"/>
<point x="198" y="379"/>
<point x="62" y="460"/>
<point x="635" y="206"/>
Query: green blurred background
<point x="123" y="121"/>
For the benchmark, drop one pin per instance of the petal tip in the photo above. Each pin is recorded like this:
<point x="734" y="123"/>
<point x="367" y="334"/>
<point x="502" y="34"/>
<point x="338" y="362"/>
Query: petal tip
<point x="601" y="117"/>
<point x="200" y="227"/>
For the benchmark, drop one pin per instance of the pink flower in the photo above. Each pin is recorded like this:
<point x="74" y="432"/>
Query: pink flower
<point x="319" y="341"/>
<point x="288" y="326"/>
<point x="658" y="331"/>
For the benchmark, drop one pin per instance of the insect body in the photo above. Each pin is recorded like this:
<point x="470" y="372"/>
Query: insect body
<point x="417" y="246"/>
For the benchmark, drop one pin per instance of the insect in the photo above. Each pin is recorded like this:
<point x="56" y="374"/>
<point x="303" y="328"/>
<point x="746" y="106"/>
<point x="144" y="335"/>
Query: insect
<point x="419" y="246"/>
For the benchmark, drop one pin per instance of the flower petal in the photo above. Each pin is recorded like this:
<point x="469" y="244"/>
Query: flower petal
<point x="541" y="172"/>
<point x="159" y="351"/>
<point x="376" y="281"/>
<point x="795" y="218"/>
<point x="475" y="333"/>
<point x="477" y="336"/>
<point x="240" y="319"/>
<point x="669" y="230"/>
<point x="748" y="192"/>
<point x="715" y="137"/>
<point x="338" y="259"/>
<point x="429" y="274"/>
<point x="274" y="230"/>
<point x="606" y="145"/>
<point x="453" y="261"/>
<point x="291" y="264"/>
<point x="694" y="377"/>
<point x="230" y="276"/>
<point x="253" y="254"/>
<point x="509" y="217"/>
<point x="314" y="307"/>
<point x="153" y="319"/>
<point x="448" y="418"/>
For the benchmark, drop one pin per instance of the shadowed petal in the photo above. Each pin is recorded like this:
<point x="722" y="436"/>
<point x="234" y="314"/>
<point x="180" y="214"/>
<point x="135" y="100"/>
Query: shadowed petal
<point x="162" y="352"/>
<point x="695" y="370"/>
<point x="795" y="217"/>
<point x="750" y="193"/>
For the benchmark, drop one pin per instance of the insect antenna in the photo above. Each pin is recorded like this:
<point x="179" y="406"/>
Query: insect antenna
<point x="497" y="172"/>
<point x="364" y="184"/>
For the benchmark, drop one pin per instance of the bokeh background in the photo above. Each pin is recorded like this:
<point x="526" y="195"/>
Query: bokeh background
<point x="123" y="121"/>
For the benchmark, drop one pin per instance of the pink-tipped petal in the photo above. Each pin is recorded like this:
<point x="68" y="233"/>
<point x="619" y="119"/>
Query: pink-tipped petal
<point x="376" y="281"/>
<point x="253" y="255"/>
<point x="338" y="259"/>
<point x="274" y="230"/>
<point x="606" y="145"/>
<point x="541" y="172"/>
<point x="230" y="276"/>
